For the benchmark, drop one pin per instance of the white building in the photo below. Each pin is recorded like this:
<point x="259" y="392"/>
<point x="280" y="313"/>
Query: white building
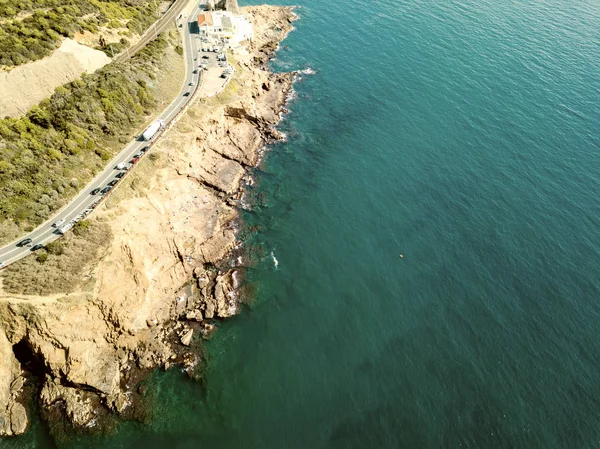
<point x="224" y="24"/>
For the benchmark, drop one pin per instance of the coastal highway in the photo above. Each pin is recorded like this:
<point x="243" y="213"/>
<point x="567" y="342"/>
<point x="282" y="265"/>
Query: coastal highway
<point x="46" y="232"/>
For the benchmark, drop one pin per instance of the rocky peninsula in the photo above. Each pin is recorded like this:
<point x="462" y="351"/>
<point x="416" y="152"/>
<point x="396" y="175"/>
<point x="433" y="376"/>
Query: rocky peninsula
<point x="166" y="274"/>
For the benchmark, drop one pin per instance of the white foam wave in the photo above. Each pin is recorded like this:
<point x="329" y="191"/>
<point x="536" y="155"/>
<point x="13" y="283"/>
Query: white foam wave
<point x="307" y="71"/>
<point x="244" y="203"/>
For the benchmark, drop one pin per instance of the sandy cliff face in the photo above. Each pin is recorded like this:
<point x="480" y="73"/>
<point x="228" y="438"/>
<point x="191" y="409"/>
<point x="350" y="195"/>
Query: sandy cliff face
<point x="162" y="281"/>
<point x="27" y="85"/>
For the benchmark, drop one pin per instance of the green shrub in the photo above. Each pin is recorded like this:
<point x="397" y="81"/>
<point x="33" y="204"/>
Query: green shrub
<point x="81" y="227"/>
<point x="56" y="247"/>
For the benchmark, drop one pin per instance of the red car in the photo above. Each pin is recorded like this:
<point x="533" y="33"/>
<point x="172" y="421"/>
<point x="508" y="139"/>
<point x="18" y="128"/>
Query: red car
<point x="134" y="160"/>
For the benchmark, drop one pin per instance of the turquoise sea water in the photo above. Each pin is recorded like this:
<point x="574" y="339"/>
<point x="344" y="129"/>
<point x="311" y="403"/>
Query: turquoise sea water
<point x="463" y="134"/>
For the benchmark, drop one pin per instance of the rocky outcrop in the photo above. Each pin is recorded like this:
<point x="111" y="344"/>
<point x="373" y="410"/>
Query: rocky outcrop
<point x="13" y="418"/>
<point x="164" y="280"/>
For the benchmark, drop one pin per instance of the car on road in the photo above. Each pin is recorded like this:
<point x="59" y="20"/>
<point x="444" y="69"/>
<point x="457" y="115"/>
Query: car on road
<point x="195" y="72"/>
<point x="224" y="75"/>
<point x="134" y="160"/>
<point x="56" y="224"/>
<point x="1" y="265"/>
<point x="121" y="166"/>
<point x="120" y="175"/>
<point x="36" y="247"/>
<point x="143" y="150"/>
<point x="205" y="57"/>
<point x="187" y="94"/>
<point x="23" y="243"/>
<point x="106" y="189"/>
<point x="113" y="182"/>
<point x="95" y="191"/>
<point x="137" y="155"/>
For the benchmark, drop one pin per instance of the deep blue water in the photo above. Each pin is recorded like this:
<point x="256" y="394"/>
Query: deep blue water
<point x="463" y="134"/>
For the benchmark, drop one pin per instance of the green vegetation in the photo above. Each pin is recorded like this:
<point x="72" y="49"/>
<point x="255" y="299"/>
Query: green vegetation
<point x="61" y="266"/>
<point x="31" y="29"/>
<point x="50" y="153"/>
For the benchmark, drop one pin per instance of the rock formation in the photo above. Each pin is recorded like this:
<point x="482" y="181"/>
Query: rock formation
<point x="164" y="280"/>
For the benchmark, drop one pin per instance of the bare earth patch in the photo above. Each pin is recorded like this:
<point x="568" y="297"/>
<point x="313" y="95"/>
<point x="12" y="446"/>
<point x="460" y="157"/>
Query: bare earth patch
<point x="27" y="85"/>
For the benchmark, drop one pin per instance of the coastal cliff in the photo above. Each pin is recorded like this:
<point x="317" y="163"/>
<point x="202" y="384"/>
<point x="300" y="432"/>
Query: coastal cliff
<point x="165" y="277"/>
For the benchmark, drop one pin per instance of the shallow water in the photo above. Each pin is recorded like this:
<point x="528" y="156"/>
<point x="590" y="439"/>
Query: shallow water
<point x="463" y="135"/>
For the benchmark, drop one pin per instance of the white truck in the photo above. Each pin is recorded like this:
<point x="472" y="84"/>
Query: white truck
<point x="64" y="228"/>
<point x="152" y="129"/>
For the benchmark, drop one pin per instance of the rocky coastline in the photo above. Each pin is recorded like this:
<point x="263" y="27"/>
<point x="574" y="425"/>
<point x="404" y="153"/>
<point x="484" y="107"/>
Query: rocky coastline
<point x="169" y="273"/>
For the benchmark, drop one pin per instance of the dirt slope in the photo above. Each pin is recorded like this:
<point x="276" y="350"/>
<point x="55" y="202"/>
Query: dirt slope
<point x="27" y="85"/>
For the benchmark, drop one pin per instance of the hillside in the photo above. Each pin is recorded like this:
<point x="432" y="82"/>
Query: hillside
<point x="30" y="83"/>
<point x="32" y="29"/>
<point x="57" y="147"/>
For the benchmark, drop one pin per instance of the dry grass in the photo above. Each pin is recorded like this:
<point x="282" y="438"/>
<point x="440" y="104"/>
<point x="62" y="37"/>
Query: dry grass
<point x="68" y="264"/>
<point x="172" y="73"/>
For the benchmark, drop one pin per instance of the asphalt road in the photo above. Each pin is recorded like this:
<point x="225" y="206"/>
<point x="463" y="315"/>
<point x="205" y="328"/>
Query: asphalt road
<point x="46" y="232"/>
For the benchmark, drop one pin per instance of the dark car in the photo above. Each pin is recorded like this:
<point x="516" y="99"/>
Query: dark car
<point x="120" y="175"/>
<point x="137" y="156"/>
<point x="36" y="247"/>
<point x="106" y="189"/>
<point x="192" y="83"/>
<point x="205" y="57"/>
<point x="187" y="94"/>
<point x="113" y="182"/>
<point x="195" y="71"/>
<point x="143" y="150"/>
<point x="24" y="242"/>
<point x="95" y="191"/>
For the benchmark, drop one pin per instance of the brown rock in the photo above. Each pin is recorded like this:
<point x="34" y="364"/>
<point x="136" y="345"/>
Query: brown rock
<point x="194" y="315"/>
<point x="209" y="311"/>
<point x="18" y="419"/>
<point x="10" y="385"/>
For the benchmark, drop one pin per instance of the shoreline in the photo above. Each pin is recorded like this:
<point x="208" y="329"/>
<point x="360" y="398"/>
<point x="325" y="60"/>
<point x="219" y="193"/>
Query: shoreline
<point x="168" y="275"/>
